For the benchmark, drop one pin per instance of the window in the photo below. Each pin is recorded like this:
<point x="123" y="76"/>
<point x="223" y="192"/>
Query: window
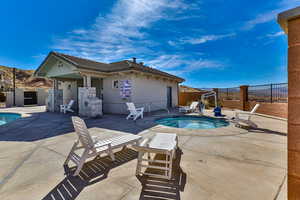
<point x="115" y="84"/>
<point x="60" y="64"/>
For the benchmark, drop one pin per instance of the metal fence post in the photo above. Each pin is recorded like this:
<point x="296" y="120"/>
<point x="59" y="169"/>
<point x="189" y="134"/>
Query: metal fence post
<point x="271" y="90"/>
<point x="227" y="93"/>
<point x="14" y="86"/>
<point x="244" y="97"/>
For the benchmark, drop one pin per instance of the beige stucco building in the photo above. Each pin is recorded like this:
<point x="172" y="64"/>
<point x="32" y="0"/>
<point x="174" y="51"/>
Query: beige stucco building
<point x="114" y="84"/>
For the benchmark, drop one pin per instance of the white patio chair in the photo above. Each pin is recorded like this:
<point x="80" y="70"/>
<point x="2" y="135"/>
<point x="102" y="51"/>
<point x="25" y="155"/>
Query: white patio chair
<point x="67" y="107"/>
<point x="134" y="112"/>
<point x="92" y="146"/>
<point x="245" y="117"/>
<point x="191" y="108"/>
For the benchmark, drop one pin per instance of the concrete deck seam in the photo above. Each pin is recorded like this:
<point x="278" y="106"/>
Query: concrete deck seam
<point x="186" y="141"/>
<point x="280" y="187"/>
<point x="11" y="174"/>
<point x="125" y="193"/>
<point x="62" y="155"/>
<point x="269" y="141"/>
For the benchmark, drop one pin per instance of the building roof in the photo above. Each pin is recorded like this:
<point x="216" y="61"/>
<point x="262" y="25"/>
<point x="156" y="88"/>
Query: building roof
<point x="287" y="15"/>
<point x="123" y="65"/>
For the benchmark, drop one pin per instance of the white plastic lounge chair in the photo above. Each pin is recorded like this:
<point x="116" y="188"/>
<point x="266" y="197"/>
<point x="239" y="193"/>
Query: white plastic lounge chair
<point x="92" y="146"/>
<point x="191" y="108"/>
<point x="134" y="112"/>
<point x="201" y="108"/>
<point x="245" y="117"/>
<point x="67" y="107"/>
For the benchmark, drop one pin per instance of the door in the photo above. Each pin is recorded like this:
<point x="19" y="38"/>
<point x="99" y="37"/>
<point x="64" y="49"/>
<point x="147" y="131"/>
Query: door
<point x="169" y="97"/>
<point x="30" y="98"/>
<point x="98" y="84"/>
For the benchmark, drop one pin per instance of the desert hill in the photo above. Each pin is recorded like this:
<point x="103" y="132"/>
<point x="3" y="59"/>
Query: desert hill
<point x="24" y="79"/>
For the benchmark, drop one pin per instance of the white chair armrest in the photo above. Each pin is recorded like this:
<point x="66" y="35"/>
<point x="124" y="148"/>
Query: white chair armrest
<point x="140" y="109"/>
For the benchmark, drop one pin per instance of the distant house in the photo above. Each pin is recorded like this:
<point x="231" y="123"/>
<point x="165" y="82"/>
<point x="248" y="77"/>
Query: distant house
<point x="113" y="83"/>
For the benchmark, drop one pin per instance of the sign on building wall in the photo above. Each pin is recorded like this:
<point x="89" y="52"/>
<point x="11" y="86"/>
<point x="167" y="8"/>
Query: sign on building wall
<point x="125" y="88"/>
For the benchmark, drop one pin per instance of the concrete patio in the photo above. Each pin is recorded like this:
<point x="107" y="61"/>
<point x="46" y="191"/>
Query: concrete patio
<point x="224" y="164"/>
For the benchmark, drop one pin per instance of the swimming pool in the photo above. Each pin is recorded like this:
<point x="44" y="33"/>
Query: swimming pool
<point x="8" y="117"/>
<point x="193" y="122"/>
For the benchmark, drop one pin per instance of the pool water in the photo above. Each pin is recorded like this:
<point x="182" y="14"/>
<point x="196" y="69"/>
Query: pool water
<point x="8" y="117"/>
<point x="193" y="122"/>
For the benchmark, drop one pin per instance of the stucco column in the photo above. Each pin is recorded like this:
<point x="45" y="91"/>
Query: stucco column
<point x="84" y="80"/>
<point x="243" y="96"/>
<point x="55" y="84"/>
<point x="290" y="22"/>
<point x="87" y="81"/>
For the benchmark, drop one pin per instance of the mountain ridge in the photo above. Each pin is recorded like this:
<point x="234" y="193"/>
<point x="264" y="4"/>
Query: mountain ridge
<point x="24" y="79"/>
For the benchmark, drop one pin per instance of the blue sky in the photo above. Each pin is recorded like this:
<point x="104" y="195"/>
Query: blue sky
<point x="210" y="43"/>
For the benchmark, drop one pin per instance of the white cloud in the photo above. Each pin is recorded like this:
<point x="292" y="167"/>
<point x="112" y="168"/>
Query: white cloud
<point x="40" y="56"/>
<point x="122" y="32"/>
<point x="271" y="14"/>
<point x="79" y="31"/>
<point x="277" y="34"/>
<point x="179" y="64"/>
<point x="166" y="61"/>
<point x="260" y="19"/>
<point x="172" y="43"/>
<point x="288" y="4"/>
<point x="207" y="38"/>
<point x="200" y="40"/>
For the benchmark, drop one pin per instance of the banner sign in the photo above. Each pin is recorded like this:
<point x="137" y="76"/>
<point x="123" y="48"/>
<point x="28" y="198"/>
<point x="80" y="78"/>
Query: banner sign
<point x="125" y="88"/>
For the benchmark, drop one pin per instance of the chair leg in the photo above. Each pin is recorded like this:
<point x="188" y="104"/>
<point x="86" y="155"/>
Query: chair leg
<point x="71" y="152"/>
<point x="139" y="160"/>
<point x="170" y="165"/>
<point x="81" y="162"/>
<point x="111" y="153"/>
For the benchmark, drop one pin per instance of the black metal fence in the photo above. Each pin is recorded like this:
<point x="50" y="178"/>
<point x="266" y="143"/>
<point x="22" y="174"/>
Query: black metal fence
<point x="229" y="93"/>
<point x="268" y="93"/>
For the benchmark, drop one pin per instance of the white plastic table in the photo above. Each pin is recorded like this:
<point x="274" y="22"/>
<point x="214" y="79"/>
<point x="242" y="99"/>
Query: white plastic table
<point x="160" y="151"/>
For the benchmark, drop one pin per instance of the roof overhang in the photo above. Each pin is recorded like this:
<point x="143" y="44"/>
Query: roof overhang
<point x="147" y="74"/>
<point x="43" y="69"/>
<point x="285" y="16"/>
<point x="49" y="61"/>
